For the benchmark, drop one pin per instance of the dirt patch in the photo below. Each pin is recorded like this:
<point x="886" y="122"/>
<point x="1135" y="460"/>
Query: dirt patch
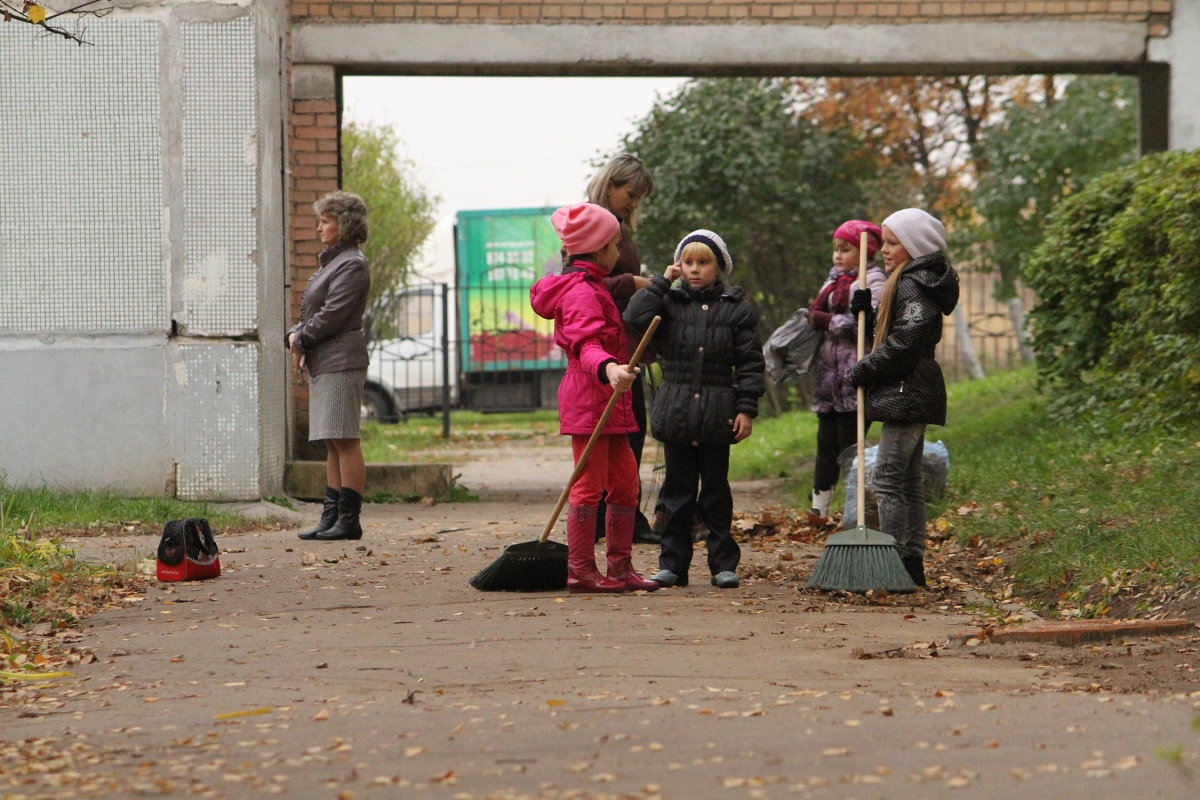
<point x="782" y="545"/>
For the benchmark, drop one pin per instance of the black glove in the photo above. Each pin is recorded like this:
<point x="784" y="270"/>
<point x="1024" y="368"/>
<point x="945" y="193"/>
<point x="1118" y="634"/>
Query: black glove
<point x="819" y="320"/>
<point x="858" y="375"/>
<point x="861" y="301"/>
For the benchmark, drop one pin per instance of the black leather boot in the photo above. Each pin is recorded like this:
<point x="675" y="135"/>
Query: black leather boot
<point x="329" y="514"/>
<point x="916" y="568"/>
<point x="643" y="532"/>
<point x="347" y="526"/>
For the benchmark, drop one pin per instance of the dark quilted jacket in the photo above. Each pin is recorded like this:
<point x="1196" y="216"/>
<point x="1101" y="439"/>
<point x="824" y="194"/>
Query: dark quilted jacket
<point x="903" y="381"/>
<point x="712" y="361"/>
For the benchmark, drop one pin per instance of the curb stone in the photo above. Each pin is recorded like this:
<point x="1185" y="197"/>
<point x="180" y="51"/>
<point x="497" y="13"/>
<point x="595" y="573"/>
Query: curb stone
<point x="1072" y="632"/>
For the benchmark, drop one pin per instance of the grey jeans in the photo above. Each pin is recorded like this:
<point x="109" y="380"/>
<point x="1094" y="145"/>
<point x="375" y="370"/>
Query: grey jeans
<point x="900" y="485"/>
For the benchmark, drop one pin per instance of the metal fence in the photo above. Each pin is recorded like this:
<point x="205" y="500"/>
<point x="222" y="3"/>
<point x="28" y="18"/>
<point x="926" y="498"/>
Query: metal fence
<point x="475" y="347"/>
<point x="482" y="348"/>
<point x="989" y="326"/>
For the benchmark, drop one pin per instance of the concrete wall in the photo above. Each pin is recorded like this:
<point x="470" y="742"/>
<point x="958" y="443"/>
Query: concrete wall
<point x="1179" y="52"/>
<point x="142" y="265"/>
<point x="766" y="12"/>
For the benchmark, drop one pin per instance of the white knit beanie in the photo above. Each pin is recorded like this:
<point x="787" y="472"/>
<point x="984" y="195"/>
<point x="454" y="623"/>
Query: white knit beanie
<point x="920" y="233"/>
<point x="715" y="243"/>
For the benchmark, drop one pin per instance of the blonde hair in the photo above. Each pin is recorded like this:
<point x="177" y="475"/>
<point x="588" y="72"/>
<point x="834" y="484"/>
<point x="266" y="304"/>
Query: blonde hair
<point x="694" y="249"/>
<point x="885" y="304"/>
<point x="621" y="170"/>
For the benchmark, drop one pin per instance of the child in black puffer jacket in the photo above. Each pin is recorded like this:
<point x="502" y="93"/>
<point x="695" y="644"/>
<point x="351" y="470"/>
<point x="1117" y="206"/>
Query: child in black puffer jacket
<point x="713" y="368"/>
<point x="904" y="385"/>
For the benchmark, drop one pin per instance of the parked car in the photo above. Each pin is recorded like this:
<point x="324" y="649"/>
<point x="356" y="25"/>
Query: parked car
<point x="410" y="373"/>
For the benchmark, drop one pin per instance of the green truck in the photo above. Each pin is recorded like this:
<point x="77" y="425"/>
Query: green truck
<point x="475" y="343"/>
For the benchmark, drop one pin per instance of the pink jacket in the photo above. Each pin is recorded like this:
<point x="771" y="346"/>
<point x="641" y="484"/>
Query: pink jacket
<point x="588" y="328"/>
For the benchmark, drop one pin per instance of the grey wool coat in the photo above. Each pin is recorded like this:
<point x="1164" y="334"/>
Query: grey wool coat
<point x="330" y="332"/>
<point x="711" y="358"/>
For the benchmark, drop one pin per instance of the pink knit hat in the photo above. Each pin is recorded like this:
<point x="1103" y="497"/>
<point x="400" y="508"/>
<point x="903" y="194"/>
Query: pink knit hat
<point x="584" y="227"/>
<point x="849" y="231"/>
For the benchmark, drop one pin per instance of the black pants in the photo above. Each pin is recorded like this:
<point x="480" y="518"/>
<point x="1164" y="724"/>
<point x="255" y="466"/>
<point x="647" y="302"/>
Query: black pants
<point x="836" y="430"/>
<point x="637" y="441"/>
<point x="697" y="484"/>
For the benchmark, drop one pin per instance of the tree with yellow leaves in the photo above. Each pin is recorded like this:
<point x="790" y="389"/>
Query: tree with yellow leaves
<point x="33" y="13"/>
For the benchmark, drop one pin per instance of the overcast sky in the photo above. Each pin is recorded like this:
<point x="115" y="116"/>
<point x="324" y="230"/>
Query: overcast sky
<point x="503" y="142"/>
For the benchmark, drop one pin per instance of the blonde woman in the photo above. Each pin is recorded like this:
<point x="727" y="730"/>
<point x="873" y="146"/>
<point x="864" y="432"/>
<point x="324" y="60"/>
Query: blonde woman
<point x="620" y="188"/>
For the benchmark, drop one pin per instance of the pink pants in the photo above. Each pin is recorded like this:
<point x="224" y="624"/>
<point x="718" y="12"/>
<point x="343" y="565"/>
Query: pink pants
<point x="611" y="467"/>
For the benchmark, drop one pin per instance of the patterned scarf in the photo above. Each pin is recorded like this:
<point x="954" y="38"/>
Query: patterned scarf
<point x="835" y="296"/>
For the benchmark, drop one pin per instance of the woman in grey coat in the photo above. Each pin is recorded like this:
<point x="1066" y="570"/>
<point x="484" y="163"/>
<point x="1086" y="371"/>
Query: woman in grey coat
<point x="328" y="342"/>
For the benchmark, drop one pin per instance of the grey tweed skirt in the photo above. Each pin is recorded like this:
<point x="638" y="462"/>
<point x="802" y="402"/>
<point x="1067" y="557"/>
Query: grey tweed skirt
<point x="334" y="404"/>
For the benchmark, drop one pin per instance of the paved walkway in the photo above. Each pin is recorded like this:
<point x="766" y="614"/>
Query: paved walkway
<point x="371" y="669"/>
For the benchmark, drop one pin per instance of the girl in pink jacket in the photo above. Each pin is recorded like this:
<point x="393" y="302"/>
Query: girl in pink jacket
<point x="588" y="328"/>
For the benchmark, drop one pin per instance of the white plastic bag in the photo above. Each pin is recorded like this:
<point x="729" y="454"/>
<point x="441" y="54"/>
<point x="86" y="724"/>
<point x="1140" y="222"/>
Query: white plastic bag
<point x="791" y="349"/>
<point x="935" y="462"/>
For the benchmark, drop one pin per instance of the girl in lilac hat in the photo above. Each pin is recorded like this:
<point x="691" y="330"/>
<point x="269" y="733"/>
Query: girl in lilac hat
<point x="904" y="386"/>
<point x="588" y="328"/>
<point x="834" y="399"/>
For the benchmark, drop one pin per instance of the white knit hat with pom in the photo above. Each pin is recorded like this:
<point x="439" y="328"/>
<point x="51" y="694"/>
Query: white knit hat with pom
<point x="715" y="243"/>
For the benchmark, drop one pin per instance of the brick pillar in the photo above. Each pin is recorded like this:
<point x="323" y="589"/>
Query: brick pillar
<point x="314" y="172"/>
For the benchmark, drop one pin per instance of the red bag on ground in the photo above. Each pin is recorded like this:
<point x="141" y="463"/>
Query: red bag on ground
<point x="187" y="551"/>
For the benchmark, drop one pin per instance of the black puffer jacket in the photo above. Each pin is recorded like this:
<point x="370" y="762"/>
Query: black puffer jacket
<point x="712" y="361"/>
<point x="903" y="381"/>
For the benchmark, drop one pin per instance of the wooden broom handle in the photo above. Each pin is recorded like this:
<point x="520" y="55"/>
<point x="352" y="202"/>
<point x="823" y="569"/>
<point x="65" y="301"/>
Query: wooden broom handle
<point x="862" y="395"/>
<point x="591" y="443"/>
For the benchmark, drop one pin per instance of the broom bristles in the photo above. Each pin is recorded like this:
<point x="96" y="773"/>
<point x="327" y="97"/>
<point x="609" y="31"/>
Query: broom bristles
<point x="859" y="561"/>
<point x="535" y="566"/>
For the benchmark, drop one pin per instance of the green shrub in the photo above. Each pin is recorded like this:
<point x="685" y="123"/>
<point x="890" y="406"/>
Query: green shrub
<point x="1117" y="325"/>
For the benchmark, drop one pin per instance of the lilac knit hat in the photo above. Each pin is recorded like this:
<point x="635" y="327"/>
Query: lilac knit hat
<point x="920" y="233"/>
<point x="584" y="227"/>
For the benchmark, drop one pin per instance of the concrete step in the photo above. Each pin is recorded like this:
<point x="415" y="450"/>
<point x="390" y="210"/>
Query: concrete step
<point x="306" y="480"/>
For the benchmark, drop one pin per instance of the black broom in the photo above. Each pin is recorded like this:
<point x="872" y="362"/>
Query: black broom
<point x="859" y="560"/>
<point x="541" y="565"/>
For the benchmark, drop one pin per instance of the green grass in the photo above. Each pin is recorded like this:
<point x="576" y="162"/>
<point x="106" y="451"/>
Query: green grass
<point x="1084" y="510"/>
<point x="420" y="438"/>
<point x="41" y="582"/>
<point x="47" y="512"/>
<point x="40" y="579"/>
<point x="1089" y="507"/>
<point x="779" y="447"/>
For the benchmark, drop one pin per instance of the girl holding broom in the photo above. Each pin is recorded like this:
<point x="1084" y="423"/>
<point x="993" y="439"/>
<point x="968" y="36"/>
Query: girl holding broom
<point x="904" y="386"/>
<point x="588" y="328"/>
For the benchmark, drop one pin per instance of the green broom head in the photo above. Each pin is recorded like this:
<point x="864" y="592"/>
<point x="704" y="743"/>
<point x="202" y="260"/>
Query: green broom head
<point x="860" y="560"/>
<point x="535" y="566"/>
